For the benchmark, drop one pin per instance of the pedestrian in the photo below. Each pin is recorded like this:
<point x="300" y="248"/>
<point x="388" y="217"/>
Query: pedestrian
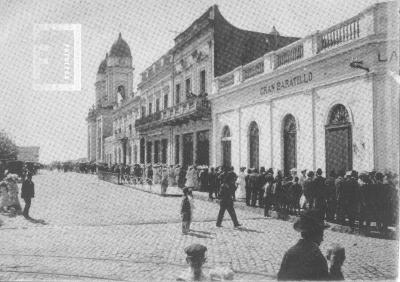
<point x="260" y="186"/>
<point x="164" y="182"/>
<point x="351" y="197"/>
<point x="382" y="202"/>
<point x="278" y="191"/>
<point x="118" y="172"/>
<point x="186" y="212"/>
<point x="203" y="177"/>
<point x="171" y="176"/>
<point x="150" y="175"/>
<point x="181" y="177"/>
<point x="212" y="184"/>
<point x="297" y="191"/>
<point x="13" y="200"/>
<point x="340" y="199"/>
<point x="27" y="193"/>
<point x="309" y="190"/>
<point x="191" y="175"/>
<point x="231" y="179"/>
<point x="4" y="201"/>
<point x="248" y="188"/>
<point x="302" y="177"/>
<point x="226" y="203"/>
<point x="268" y="194"/>
<point x="177" y="171"/>
<point x="240" y="193"/>
<point x="305" y="261"/>
<point x="195" y="258"/>
<point x="330" y="196"/>
<point x="320" y="193"/>
<point x="253" y="183"/>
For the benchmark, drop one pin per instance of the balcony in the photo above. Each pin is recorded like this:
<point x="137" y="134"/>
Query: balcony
<point x="191" y="109"/>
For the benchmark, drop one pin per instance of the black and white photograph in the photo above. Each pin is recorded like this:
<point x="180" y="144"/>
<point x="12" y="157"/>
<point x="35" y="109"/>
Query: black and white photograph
<point x="199" y="140"/>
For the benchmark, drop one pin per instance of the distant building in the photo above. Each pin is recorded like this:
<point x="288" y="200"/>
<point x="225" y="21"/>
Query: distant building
<point x="174" y="125"/>
<point x="28" y="154"/>
<point x="114" y="87"/>
<point x="169" y="120"/>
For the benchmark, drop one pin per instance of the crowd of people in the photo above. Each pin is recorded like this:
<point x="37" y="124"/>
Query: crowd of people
<point x="9" y="193"/>
<point x="344" y="197"/>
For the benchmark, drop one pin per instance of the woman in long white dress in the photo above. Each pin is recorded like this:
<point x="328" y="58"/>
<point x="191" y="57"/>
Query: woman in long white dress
<point x="13" y="192"/>
<point x="190" y="177"/>
<point x="240" y="193"/>
<point x="3" y="196"/>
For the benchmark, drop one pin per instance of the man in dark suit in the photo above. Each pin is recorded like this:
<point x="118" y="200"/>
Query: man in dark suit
<point x="27" y="193"/>
<point x="226" y="203"/>
<point x="253" y="184"/>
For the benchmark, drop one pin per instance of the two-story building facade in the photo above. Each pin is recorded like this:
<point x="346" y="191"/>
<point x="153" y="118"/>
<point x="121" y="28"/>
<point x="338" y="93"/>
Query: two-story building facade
<point x="328" y="101"/>
<point x="175" y="114"/>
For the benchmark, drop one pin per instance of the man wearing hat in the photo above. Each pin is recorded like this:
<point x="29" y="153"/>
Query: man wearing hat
<point x="27" y="193"/>
<point x="304" y="261"/>
<point x="195" y="258"/>
<point x="226" y="203"/>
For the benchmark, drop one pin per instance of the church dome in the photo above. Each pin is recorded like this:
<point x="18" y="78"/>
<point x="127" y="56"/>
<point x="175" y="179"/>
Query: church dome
<point x="120" y="48"/>
<point x="102" y="67"/>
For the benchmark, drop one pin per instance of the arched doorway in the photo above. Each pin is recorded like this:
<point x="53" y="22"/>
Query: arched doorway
<point x="289" y="144"/>
<point x="226" y="147"/>
<point x="253" y="145"/>
<point x="338" y="140"/>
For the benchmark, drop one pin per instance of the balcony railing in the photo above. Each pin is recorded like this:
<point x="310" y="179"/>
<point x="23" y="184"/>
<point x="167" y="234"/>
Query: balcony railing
<point x="336" y="35"/>
<point x="191" y="109"/>
<point x="290" y="55"/>
<point x="147" y="119"/>
<point x="253" y="69"/>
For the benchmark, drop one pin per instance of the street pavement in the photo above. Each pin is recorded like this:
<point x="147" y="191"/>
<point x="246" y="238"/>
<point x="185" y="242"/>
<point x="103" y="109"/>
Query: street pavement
<point x="88" y="229"/>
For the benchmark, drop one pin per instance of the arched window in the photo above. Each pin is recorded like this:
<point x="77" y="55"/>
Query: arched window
<point x="121" y="92"/>
<point x="253" y="145"/>
<point x="338" y="140"/>
<point x="226" y="147"/>
<point x="289" y="144"/>
<point x="338" y="115"/>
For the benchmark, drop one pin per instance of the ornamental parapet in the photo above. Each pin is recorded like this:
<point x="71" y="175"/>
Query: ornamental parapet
<point x="363" y="25"/>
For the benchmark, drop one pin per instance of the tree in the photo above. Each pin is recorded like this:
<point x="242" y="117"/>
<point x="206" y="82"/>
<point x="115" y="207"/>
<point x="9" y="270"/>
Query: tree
<point x="8" y="149"/>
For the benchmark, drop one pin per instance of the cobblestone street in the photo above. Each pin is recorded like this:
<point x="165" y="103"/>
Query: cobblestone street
<point x="95" y="230"/>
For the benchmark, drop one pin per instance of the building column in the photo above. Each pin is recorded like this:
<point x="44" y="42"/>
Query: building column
<point x="213" y="145"/>
<point x="194" y="147"/>
<point x="181" y="149"/>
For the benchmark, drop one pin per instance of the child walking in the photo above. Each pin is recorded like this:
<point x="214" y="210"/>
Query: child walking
<point x="186" y="211"/>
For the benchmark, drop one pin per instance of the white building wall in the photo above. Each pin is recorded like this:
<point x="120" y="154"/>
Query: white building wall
<point x="300" y="106"/>
<point x="260" y="113"/>
<point x="356" y="96"/>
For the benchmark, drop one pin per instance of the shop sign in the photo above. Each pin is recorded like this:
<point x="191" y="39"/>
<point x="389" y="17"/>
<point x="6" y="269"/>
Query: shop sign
<point x="286" y="83"/>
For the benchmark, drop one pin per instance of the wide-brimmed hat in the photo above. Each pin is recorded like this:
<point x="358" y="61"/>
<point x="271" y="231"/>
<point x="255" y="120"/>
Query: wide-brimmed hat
<point x="310" y="221"/>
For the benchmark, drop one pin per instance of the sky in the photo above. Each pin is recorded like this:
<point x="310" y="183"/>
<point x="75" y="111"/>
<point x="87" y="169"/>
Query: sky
<point x="55" y="119"/>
